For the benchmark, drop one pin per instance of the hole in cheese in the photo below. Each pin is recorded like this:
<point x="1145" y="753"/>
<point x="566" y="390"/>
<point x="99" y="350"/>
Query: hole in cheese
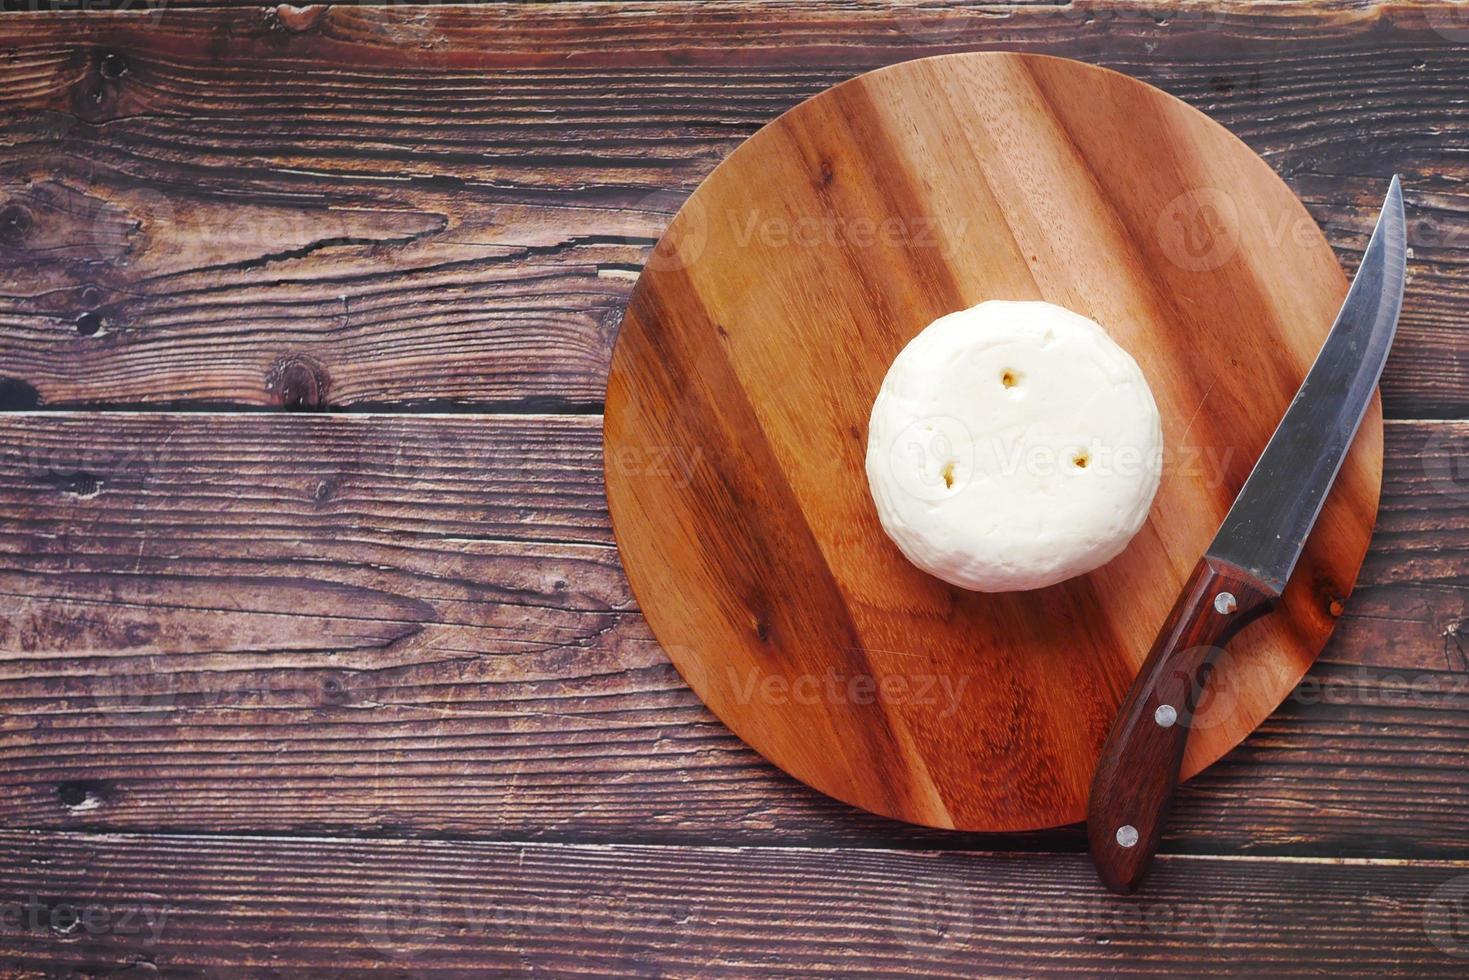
<point x="985" y="477"/>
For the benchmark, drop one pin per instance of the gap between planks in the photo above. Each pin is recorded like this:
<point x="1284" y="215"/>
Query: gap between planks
<point x="447" y="841"/>
<point x="52" y="413"/>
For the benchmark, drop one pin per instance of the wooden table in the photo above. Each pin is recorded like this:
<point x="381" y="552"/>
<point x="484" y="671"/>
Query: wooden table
<point x="317" y="654"/>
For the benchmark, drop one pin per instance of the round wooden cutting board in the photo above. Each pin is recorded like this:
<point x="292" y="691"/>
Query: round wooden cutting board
<point x="755" y="342"/>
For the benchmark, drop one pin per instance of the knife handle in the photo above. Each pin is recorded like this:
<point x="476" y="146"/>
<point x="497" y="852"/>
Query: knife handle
<point x="1137" y="773"/>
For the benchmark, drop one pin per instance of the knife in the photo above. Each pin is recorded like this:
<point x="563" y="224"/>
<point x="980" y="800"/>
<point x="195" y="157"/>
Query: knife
<point x="1245" y="569"/>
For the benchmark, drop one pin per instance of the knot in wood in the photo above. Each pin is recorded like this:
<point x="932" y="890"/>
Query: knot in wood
<point x="296" y="20"/>
<point x="297" y="383"/>
<point x="112" y="65"/>
<point x="15" y="224"/>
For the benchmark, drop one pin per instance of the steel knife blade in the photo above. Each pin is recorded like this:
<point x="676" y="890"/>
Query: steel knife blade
<point x="1245" y="569"/>
<point x="1267" y="526"/>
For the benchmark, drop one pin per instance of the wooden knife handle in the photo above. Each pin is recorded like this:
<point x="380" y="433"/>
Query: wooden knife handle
<point x="1137" y="773"/>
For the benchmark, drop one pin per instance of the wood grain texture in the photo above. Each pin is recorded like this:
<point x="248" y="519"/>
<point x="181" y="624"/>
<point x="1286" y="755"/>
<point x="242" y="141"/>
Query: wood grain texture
<point x="424" y="909"/>
<point x="324" y="624"/>
<point x="355" y="626"/>
<point x="456" y="221"/>
<point x="760" y="333"/>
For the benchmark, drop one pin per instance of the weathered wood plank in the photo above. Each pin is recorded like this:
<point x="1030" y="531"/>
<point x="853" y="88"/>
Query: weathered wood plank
<point x="186" y="905"/>
<point x="417" y="625"/>
<point x="932" y="12"/>
<point x="445" y="206"/>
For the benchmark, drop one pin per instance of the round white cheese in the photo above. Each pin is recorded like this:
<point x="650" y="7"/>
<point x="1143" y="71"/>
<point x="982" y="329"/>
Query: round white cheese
<point x="1012" y="446"/>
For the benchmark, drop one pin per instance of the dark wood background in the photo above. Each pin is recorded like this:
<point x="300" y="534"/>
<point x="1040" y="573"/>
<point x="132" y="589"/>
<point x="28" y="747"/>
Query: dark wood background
<point x="315" y="652"/>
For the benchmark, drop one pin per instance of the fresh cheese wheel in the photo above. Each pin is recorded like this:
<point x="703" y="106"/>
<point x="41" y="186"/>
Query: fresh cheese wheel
<point x="1013" y="446"/>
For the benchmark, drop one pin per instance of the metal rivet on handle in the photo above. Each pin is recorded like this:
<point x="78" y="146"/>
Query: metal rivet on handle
<point x="1165" y="716"/>
<point x="1127" y="835"/>
<point x="1224" y="603"/>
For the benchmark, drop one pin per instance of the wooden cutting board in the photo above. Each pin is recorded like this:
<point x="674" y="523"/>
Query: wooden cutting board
<point x="757" y="338"/>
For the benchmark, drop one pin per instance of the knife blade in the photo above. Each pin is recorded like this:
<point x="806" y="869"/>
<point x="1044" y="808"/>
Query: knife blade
<point x="1245" y="569"/>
